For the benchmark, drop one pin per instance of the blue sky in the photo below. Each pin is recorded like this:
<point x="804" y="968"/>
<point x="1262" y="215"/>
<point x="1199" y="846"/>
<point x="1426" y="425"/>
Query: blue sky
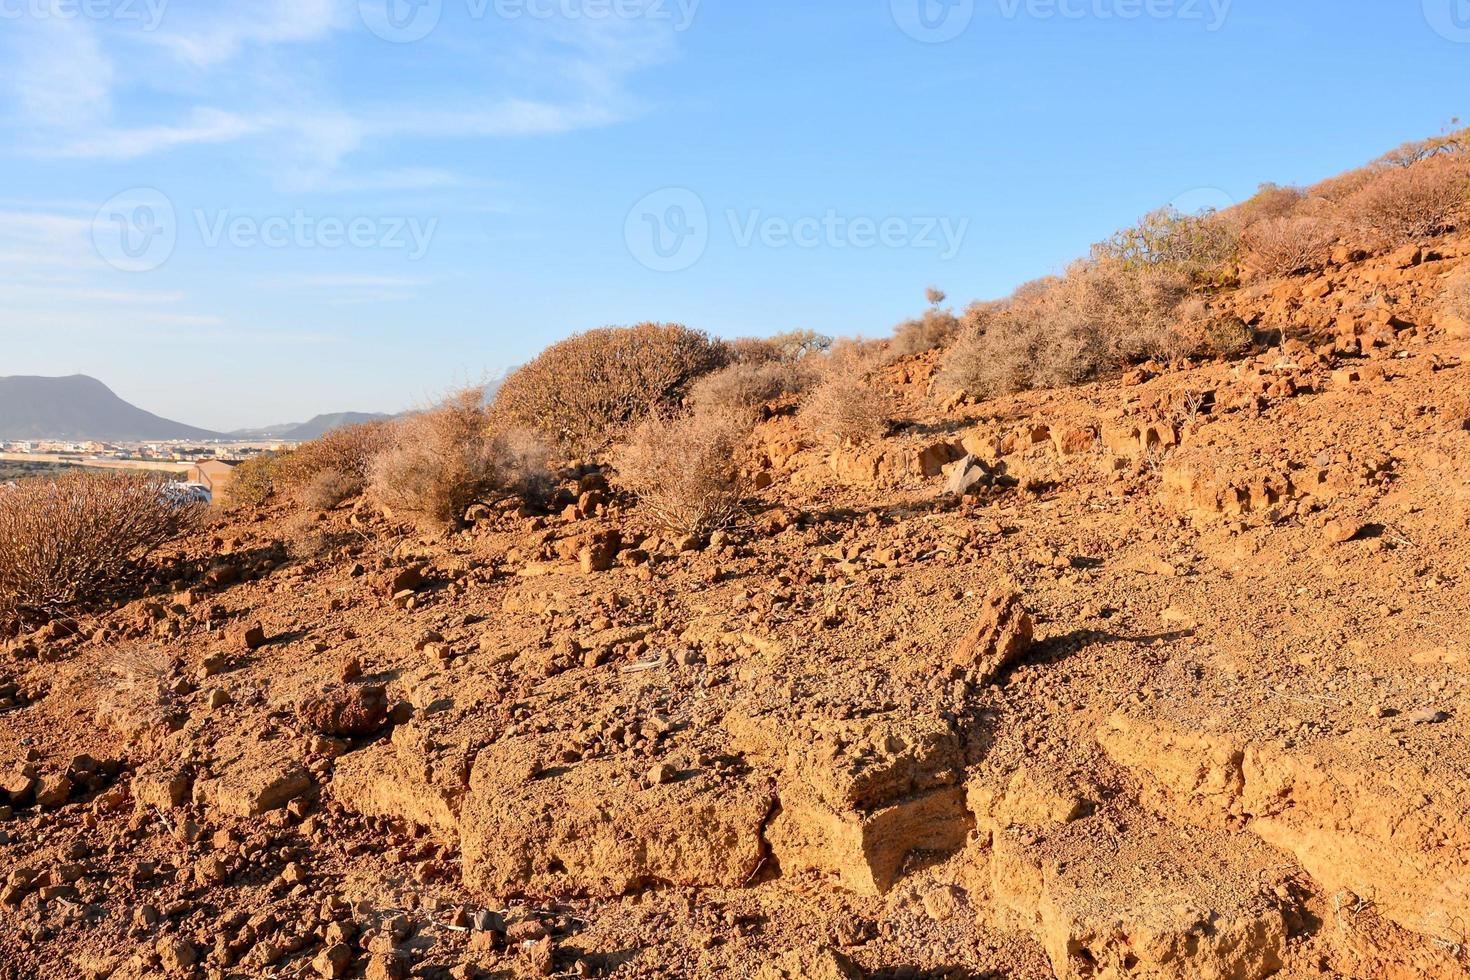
<point x="239" y="213"/>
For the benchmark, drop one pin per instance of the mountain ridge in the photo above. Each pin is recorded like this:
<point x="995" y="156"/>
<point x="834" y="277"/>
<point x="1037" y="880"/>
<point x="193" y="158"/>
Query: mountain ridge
<point x="81" y="407"/>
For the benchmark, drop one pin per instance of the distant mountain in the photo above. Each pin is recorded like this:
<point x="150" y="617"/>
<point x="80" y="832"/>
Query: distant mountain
<point x="323" y="424"/>
<point x="302" y="431"/>
<point x="81" y="408"/>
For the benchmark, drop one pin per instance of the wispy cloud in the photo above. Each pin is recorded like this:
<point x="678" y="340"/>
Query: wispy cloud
<point x="59" y="73"/>
<point x="210" y="35"/>
<point x="112" y="143"/>
<point x="190" y="84"/>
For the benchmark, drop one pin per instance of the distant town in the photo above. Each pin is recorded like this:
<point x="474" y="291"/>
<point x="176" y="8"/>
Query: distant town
<point x="203" y="469"/>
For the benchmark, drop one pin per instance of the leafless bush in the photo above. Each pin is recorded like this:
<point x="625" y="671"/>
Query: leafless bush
<point x="440" y="461"/>
<point x="1416" y="151"/>
<point x="685" y="470"/>
<point x="78" y="539"/>
<point x="742" y="390"/>
<point x="581" y="392"/>
<point x="334" y="467"/>
<point x="1403" y="205"/>
<point x="134" y="693"/>
<point x="1283" y="246"/>
<point x="846" y="407"/>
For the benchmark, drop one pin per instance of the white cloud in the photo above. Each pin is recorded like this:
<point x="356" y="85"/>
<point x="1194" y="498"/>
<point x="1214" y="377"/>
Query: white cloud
<point x="205" y="126"/>
<point x="59" y="74"/>
<point x="214" y="35"/>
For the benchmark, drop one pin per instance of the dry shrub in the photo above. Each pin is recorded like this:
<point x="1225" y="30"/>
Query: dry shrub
<point x="786" y="348"/>
<point x="334" y="467"/>
<point x="328" y="488"/>
<point x="1338" y="189"/>
<point x="1030" y="346"/>
<point x="1198" y="244"/>
<point x="439" y="462"/>
<point x="1270" y="201"/>
<point x="254" y="481"/>
<point x="1403" y="205"/>
<point x="1129" y="314"/>
<point x="1416" y="151"/>
<point x="1284" y="246"/>
<point x="744" y="390"/>
<point x="134" y="691"/>
<point x="685" y="470"/>
<point x="847" y="408"/>
<point x="79" y="538"/>
<point x="581" y="392"/>
<point x="935" y="328"/>
<point x="1201" y="332"/>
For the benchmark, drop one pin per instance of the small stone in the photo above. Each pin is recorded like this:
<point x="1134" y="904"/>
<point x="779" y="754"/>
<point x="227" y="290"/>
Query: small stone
<point x="386" y="966"/>
<point x="541" y="957"/>
<point x="334" y="961"/>
<point x="252" y="637"/>
<point x="345" y="712"/>
<point x="175" y="954"/>
<point x="212" y="870"/>
<point x="53" y="790"/>
<point x="660" y="775"/>
<point x="1428" y="716"/>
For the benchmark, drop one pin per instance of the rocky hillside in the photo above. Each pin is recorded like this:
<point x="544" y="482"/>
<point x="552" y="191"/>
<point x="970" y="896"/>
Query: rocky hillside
<point x="1171" y="684"/>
